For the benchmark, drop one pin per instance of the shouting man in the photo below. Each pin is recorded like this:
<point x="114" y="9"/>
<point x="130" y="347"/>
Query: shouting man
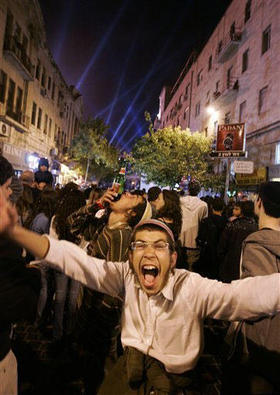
<point x="164" y="307"/>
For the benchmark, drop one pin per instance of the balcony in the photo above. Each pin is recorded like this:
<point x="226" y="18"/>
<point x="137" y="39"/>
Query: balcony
<point x="229" y="46"/>
<point x="16" y="54"/>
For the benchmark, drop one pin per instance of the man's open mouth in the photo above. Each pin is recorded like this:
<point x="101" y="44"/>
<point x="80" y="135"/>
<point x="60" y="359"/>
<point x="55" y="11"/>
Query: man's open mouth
<point x="150" y="273"/>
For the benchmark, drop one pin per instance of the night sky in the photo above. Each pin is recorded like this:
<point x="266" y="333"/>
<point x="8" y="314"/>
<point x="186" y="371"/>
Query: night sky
<point x="119" y="53"/>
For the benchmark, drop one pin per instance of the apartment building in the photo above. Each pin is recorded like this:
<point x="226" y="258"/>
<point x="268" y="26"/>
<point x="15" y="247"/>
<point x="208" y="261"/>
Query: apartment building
<point x="39" y="112"/>
<point x="235" y="78"/>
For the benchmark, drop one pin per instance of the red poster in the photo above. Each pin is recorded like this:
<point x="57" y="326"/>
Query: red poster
<point x="231" y="137"/>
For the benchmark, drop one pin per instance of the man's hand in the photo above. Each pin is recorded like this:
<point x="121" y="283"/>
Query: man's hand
<point x="108" y="196"/>
<point x="8" y="215"/>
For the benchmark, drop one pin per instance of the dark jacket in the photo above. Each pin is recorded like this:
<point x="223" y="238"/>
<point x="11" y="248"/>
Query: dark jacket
<point x="19" y="291"/>
<point x="229" y="248"/>
<point x="209" y="233"/>
<point x="44" y="176"/>
<point x="261" y="256"/>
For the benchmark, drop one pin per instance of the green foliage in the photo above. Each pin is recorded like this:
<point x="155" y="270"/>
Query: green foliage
<point x="166" y="155"/>
<point x="91" y="143"/>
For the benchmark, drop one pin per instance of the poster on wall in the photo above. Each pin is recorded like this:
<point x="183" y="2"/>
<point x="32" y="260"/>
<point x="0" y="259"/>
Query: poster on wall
<point x="230" y="141"/>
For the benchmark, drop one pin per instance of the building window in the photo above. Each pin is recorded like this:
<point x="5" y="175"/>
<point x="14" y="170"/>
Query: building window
<point x="43" y="79"/>
<point x="49" y="83"/>
<point x="38" y="70"/>
<point x="208" y="98"/>
<point x="39" y="121"/>
<point x="3" y="86"/>
<point x="220" y="46"/>
<point x="19" y="100"/>
<point x="277" y="154"/>
<point x="227" y="118"/>
<point x="50" y="127"/>
<point x="53" y="90"/>
<point x="210" y="63"/>
<point x="206" y="131"/>
<point x="232" y="31"/>
<point x="197" y="109"/>
<point x="262" y="100"/>
<point x="266" y="37"/>
<point x="199" y="78"/>
<point x="187" y="92"/>
<point x="242" y="111"/>
<point x="247" y="11"/>
<point x="245" y="60"/>
<point x="229" y="77"/>
<point x="46" y="124"/>
<point x="186" y="114"/>
<point x="11" y="95"/>
<point x="33" y="115"/>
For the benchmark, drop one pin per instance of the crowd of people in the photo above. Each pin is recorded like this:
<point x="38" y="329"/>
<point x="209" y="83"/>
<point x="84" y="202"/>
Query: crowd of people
<point x="129" y="283"/>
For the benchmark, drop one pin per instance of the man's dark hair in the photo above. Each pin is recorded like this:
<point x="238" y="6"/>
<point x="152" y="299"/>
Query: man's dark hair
<point x="269" y="193"/>
<point x="194" y="188"/>
<point x="6" y="170"/>
<point x="218" y="204"/>
<point x="247" y="208"/>
<point x="151" y="228"/>
<point x="153" y="193"/>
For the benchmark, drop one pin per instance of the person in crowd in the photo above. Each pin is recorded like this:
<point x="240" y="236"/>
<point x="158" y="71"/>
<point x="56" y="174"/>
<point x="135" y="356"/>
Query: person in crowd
<point x="59" y="229"/>
<point x="27" y="178"/>
<point x="43" y="176"/>
<point x="40" y="223"/>
<point x="229" y="248"/>
<point x="228" y="211"/>
<point x="19" y="290"/>
<point x="193" y="211"/>
<point x="261" y="343"/>
<point x="164" y="307"/>
<point x="236" y="211"/>
<point x="153" y="193"/>
<point x="209" y="233"/>
<point x="108" y="232"/>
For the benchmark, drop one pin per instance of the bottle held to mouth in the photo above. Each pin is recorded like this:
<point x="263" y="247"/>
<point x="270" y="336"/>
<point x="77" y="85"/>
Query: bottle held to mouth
<point x="119" y="181"/>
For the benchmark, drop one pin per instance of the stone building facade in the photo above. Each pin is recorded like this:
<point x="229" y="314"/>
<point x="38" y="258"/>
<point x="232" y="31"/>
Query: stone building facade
<point x="39" y="112"/>
<point x="235" y="78"/>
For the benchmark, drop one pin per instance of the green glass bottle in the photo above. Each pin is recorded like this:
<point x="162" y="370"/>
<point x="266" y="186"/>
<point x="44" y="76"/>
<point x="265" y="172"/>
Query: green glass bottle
<point x="119" y="181"/>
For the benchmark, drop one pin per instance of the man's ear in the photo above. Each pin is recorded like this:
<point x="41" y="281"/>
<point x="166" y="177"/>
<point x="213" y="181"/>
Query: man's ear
<point x="173" y="259"/>
<point x="131" y="212"/>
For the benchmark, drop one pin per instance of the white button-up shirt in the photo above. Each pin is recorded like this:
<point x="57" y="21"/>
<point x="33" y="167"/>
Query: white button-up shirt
<point x="168" y="326"/>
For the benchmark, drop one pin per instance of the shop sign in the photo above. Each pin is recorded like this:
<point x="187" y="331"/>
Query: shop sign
<point x="258" y="176"/>
<point x="243" y="167"/>
<point x="230" y="141"/>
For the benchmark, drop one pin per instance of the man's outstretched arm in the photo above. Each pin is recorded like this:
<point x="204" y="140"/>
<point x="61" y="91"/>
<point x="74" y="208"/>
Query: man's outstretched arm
<point x="37" y="245"/>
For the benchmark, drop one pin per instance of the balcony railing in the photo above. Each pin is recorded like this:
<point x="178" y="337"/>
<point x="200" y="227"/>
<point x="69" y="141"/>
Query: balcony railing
<point x="18" y="116"/>
<point x="16" y="53"/>
<point x="229" y="45"/>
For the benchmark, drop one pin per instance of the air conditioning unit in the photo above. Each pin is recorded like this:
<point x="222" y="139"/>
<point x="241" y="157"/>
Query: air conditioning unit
<point x="5" y="129"/>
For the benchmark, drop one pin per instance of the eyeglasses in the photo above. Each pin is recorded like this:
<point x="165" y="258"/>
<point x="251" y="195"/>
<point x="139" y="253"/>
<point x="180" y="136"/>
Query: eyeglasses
<point x="141" y="245"/>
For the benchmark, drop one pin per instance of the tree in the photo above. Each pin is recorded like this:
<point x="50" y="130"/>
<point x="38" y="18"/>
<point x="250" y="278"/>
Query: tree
<point x="92" y="150"/>
<point x="166" y="155"/>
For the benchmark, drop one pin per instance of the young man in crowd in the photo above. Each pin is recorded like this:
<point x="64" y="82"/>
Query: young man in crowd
<point x="193" y="212"/>
<point x="261" y="256"/>
<point x="164" y="308"/>
<point x="19" y="290"/>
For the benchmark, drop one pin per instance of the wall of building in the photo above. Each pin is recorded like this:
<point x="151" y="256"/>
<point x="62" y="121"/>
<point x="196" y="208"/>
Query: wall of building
<point x="26" y="60"/>
<point x="250" y="95"/>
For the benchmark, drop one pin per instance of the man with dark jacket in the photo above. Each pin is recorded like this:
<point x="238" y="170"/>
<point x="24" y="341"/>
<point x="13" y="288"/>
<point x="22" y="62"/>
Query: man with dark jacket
<point x="19" y="289"/>
<point x="209" y="233"/>
<point x="43" y="174"/>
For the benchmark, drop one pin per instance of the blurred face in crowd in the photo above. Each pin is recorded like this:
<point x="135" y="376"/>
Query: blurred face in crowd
<point x="126" y="202"/>
<point x="152" y="260"/>
<point x="159" y="202"/>
<point x="41" y="185"/>
<point x="5" y="188"/>
<point x="236" y="211"/>
<point x="43" y="168"/>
